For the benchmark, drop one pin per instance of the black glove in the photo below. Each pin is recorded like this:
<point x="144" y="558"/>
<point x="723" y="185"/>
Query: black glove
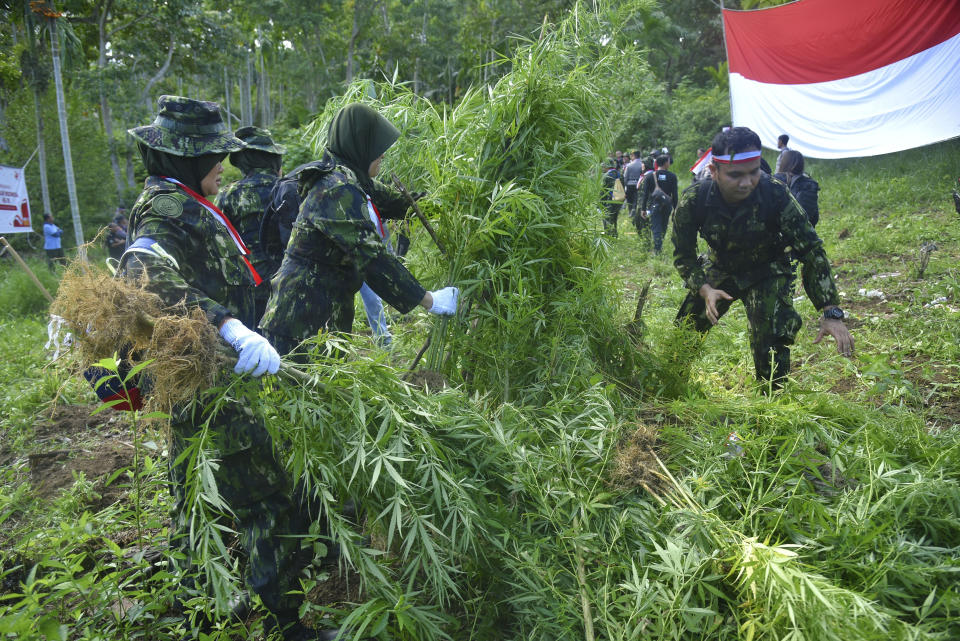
<point x="417" y="195"/>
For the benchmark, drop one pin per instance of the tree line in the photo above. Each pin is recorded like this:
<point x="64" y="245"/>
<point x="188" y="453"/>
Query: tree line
<point x="274" y="63"/>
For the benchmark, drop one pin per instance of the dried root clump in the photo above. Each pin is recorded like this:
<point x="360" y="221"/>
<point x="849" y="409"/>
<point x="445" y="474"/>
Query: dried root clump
<point x="105" y="313"/>
<point x="636" y="463"/>
<point x="187" y="356"/>
<point x="111" y="315"/>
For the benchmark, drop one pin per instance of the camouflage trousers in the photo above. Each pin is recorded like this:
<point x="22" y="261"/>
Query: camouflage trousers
<point x="270" y="513"/>
<point x="611" y="213"/>
<point x="773" y="322"/>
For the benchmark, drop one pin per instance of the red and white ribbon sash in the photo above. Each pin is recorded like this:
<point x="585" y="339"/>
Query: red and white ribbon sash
<point x="221" y="218"/>
<point x="375" y="217"/>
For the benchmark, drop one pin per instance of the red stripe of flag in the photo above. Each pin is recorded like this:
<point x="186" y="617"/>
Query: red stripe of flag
<point x="821" y="40"/>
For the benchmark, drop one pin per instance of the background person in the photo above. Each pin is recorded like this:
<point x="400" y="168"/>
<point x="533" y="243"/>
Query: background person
<point x="804" y="188"/>
<point x="658" y="198"/>
<point x="782" y="141"/>
<point x="611" y="207"/>
<point x="115" y="240"/>
<point x="632" y="174"/>
<point x="51" y="241"/>
<point x="245" y="201"/>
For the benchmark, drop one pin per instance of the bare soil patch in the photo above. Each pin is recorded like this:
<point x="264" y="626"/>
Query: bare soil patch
<point x="61" y="423"/>
<point x="71" y="441"/>
<point x="937" y="386"/>
<point x="341" y="588"/>
<point x="51" y="472"/>
<point x="427" y="379"/>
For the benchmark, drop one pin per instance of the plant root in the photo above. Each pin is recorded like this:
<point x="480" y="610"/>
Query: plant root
<point x="111" y="316"/>
<point x="635" y="464"/>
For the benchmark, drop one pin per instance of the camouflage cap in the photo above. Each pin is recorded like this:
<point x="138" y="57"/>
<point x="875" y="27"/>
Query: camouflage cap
<point x="259" y="138"/>
<point x="186" y="127"/>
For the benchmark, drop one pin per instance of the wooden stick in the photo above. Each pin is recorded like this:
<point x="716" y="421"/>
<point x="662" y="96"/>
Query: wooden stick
<point x="36" y="281"/>
<point x="416" y="210"/>
<point x="416" y="361"/>
<point x="641" y="301"/>
<point x="635" y="327"/>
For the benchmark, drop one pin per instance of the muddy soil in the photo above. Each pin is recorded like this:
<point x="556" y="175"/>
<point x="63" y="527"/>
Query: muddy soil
<point x="51" y="472"/>
<point x="72" y="441"/>
<point x="426" y="380"/>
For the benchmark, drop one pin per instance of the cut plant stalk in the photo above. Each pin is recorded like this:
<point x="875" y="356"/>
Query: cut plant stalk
<point x="416" y="209"/>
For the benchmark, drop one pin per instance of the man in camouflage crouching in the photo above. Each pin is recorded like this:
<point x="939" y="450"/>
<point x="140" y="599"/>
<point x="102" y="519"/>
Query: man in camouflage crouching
<point x="245" y="201"/>
<point x="752" y="225"/>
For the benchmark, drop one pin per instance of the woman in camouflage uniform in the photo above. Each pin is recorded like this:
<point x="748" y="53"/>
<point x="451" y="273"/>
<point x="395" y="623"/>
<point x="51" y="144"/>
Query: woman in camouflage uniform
<point x="334" y="246"/>
<point x="190" y="252"/>
<point x="246" y="200"/>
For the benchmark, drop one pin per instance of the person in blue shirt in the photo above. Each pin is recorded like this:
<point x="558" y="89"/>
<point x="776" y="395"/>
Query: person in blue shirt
<point x="51" y="241"/>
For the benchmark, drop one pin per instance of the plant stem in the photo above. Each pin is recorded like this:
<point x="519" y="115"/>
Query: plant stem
<point x="582" y="580"/>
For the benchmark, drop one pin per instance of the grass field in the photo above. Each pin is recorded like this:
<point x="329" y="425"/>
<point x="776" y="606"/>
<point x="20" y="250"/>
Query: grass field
<point x="835" y="515"/>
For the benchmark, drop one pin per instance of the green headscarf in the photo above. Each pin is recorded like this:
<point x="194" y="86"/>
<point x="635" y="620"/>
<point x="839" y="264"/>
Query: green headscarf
<point x="357" y="136"/>
<point x="190" y="170"/>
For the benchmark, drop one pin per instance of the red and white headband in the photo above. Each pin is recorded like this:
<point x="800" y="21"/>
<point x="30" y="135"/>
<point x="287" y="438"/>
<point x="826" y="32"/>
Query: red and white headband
<point x="733" y="159"/>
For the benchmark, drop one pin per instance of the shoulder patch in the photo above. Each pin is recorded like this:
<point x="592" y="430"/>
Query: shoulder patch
<point x="167" y="205"/>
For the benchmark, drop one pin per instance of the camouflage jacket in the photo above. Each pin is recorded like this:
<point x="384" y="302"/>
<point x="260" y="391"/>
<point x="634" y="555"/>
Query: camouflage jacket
<point x="333" y="250"/>
<point x="749" y="241"/>
<point x="391" y="204"/>
<point x="244" y="203"/>
<point x="191" y="257"/>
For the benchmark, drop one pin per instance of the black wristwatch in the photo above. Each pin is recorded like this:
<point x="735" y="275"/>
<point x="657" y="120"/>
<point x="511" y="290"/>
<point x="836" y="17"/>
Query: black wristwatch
<point x="834" y="313"/>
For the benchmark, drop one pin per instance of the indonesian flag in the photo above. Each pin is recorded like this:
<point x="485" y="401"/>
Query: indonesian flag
<point x="702" y="161"/>
<point x="847" y="78"/>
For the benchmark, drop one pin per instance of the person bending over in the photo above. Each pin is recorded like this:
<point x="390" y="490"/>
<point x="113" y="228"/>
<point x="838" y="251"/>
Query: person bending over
<point x="752" y="227"/>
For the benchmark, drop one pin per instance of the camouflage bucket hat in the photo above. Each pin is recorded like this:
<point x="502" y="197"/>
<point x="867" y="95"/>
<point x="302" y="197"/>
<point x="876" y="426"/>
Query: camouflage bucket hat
<point x="259" y="138"/>
<point x="186" y="127"/>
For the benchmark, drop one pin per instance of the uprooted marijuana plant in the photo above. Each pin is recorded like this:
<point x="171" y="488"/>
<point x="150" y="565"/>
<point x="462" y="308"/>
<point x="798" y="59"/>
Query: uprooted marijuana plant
<point x="512" y="176"/>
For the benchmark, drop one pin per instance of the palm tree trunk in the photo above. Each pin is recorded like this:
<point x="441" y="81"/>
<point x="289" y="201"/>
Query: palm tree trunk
<point x="226" y="92"/>
<point x="354" y="32"/>
<point x="131" y="178"/>
<point x="105" y="112"/>
<point x="65" y="138"/>
<point x="42" y="154"/>
<point x="247" y="111"/>
<point x="263" y="90"/>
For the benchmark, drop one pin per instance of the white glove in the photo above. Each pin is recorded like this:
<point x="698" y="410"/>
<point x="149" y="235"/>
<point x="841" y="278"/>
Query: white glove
<point x="256" y="352"/>
<point x="445" y="301"/>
